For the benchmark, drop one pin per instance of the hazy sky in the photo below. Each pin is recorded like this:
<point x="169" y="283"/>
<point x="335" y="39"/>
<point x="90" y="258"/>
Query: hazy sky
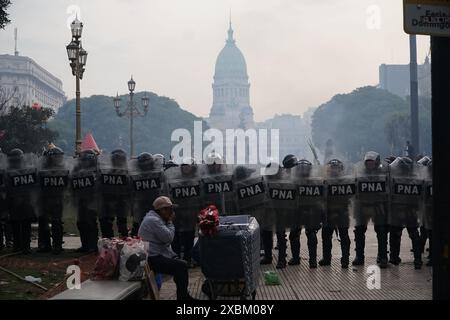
<point x="299" y="52"/>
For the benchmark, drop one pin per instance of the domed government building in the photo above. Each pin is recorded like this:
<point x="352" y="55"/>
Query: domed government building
<point x="231" y="90"/>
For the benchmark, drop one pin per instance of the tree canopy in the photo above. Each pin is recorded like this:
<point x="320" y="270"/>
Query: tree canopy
<point x="152" y="133"/>
<point x="368" y="119"/>
<point x="26" y="128"/>
<point x="4" y="20"/>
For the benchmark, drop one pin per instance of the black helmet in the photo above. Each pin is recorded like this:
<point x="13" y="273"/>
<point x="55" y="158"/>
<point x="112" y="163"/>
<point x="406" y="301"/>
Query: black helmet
<point x="242" y="172"/>
<point x="424" y="161"/>
<point x="88" y="157"/>
<point x="335" y="166"/>
<point x="54" y="156"/>
<point x="390" y="159"/>
<point x="15" y="157"/>
<point x="145" y="161"/>
<point x="336" y="163"/>
<point x="144" y="157"/>
<point x="290" y="161"/>
<point x="304" y="167"/>
<point x="118" y="157"/>
<point x="55" y="151"/>
<point x="15" y="153"/>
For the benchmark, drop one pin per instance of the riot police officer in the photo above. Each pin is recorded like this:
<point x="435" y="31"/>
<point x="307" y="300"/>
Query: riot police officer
<point x="54" y="180"/>
<point x="217" y="184"/>
<point x="183" y="183"/>
<point x="406" y="194"/>
<point x="310" y="182"/>
<point x="371" y="203"/>
<point x="251" y="199"/>
<point x="85" y="188"/>
<point x="340" y="190"/>
<point x="147" y="184"/>
<point x="283" y="203"/>
<point x="115" y="191"/>
<point x="21" y="197"/>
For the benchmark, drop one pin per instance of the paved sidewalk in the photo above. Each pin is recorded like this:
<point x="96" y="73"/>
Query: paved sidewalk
<point x="327" y="283"/>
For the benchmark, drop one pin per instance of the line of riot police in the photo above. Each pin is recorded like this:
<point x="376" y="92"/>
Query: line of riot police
<point x="294" y="195"/>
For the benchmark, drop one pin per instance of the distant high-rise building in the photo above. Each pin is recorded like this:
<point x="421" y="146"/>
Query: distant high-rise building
<point x="24" y="82"/>
<point x="395" y="78"/>
<point x="231" y="90"/>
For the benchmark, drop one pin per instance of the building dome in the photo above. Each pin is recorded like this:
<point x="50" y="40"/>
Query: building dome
<point x="230" y="63"/>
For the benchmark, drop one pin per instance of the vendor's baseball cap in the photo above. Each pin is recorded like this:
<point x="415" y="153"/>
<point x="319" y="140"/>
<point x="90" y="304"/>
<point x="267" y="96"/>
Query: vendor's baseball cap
<point x="163" y="202"/>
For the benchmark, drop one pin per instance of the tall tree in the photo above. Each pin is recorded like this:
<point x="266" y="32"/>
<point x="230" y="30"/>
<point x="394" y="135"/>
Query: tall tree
<point x="4" y="20"/>
<point x="26" y="128"/>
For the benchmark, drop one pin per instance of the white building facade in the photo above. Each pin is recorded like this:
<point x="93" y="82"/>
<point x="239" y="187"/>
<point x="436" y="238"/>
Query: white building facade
<point x="24" y="83"/>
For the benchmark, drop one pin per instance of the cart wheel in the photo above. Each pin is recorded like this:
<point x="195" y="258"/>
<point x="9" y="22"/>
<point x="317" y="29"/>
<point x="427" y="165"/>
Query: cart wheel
<point x="254" y="295"/>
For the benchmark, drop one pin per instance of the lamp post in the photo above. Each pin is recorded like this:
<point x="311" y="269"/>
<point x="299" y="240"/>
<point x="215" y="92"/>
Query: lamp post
<point x="132" y="110"/>
<point x="77" y="57"/>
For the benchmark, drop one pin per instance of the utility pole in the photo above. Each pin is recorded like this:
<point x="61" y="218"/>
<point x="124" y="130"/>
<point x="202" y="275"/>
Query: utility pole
<point x="414" y="95"/>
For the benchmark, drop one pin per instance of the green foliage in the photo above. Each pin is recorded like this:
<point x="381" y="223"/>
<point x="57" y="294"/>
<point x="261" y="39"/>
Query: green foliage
<point x="152" y="133"/>
<point x="4" y="20"/>
<point x="368" y="119"/>
<point x="26" y="128"/>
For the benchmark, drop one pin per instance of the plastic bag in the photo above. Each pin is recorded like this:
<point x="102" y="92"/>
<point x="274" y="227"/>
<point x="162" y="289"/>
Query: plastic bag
<point x="209" y="220"/>
<point x="133" y="258"/>
<point x="107" y="263"/>
<point x="271" y="278"/>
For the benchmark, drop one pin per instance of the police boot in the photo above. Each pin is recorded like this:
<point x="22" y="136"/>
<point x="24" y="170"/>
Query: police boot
<point x="327" y="233"/>
<point x="281" y="240"/>
<point x="394" y="243"/>
<point x="122" y="226"/>
<point x="382" y="235"/>
<point x="16" y="231"/>
<point x="26" y="237"/>
<point x="360" y="242"/>
<point x="106" y="227"/>
<point x="57" y="236"/>
<point x="44" y="242"/>
<point x="345" y="247"/>
<point x="267" y="240"/>
<point x="294" y="240"/>
<point x="93" y="236"/>
<point x="311" y="236"/>
<point x="83" y="236"/>
<point x="415" y="239"/>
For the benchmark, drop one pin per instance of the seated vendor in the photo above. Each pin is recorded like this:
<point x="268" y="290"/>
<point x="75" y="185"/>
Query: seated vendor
<point x="158" y="230"/>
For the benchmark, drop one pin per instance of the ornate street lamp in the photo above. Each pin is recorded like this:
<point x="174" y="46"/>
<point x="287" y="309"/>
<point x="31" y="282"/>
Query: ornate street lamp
<point x="131" y="110"/>
<point x="77" y="57"/>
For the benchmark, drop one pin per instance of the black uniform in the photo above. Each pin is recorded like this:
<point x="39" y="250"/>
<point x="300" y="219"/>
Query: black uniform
<point x="115" y="191"/>
<point x="406" y="194"/>
<point x="21" y="188"/>
<point x="54" y="180"/>
<point x="340" y="190"/>
<point x="371" y="203"/>
<point x="147" y="182"/>
<point x="84" y="185"/>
